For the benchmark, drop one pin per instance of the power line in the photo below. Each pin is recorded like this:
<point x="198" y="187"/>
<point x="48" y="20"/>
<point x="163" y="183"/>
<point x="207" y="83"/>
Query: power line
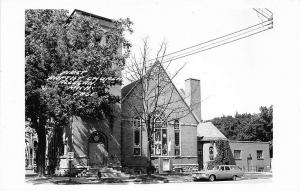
<point x="261" y="13"/>
<point x="238" y="31"/>
<point x="217" y="45"/>
<point x="261" y="25"/>
<point x="269" y="12"/>
<point x="222" y="40"/>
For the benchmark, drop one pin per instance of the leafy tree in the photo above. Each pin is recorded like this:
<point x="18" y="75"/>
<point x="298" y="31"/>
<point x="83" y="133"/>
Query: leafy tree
<point x="248" y="127"/>
<point x="224" y="154"/>
<point x="54" y="43"/>
<point x="43" y="31"/>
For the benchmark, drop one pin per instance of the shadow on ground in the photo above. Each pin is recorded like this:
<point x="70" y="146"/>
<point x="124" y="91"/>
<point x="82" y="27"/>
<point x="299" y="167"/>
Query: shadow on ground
<point x="150" y="179"/>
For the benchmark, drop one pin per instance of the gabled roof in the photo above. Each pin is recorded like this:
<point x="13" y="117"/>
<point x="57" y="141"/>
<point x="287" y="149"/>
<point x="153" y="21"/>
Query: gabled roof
<point x="208" y="132"/>
<point x="126" y="90"/>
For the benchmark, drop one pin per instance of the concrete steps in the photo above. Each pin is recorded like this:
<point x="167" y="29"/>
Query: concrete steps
<point x="106" y="172"/>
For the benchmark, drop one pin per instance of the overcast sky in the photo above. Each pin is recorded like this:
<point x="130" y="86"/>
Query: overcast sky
<point x="234" y="78"/>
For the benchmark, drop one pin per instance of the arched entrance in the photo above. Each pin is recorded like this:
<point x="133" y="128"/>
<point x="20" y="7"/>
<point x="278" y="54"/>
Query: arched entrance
<point x="98" y="149"/>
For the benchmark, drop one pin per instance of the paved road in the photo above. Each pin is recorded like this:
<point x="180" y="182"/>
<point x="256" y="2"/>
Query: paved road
<point x="239" y="181"/>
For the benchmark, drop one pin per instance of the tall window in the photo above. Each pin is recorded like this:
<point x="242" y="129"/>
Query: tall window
<point x="160" y="146"/>
<point x="137" y="137"/>
<point x="211" y="153"/>
<point x="177" y="137"/>
<point x="259" y="154"/>
<point x="237" y="154"/>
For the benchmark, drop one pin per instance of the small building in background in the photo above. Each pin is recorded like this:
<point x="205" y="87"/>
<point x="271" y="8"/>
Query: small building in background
<point x="207" y="135"/>
<point x="251" y="155"/>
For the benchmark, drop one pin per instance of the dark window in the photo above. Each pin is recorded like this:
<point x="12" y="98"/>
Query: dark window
<point x="260" y="169"/>
<point x="227" y="168"/>
<point x="164" y="142"/>
<point x="259" y="154"/>
<point x="137" y="137"/>
<point x="177" y="138"/>
<point x="237" y="154"/>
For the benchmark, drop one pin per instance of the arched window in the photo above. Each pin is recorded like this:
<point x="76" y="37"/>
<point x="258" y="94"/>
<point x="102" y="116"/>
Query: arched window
<point x="176" y="124"/>
<point x="211" y="153"/>
<point x="98" y="137"/>
<point x="160" y="137"/>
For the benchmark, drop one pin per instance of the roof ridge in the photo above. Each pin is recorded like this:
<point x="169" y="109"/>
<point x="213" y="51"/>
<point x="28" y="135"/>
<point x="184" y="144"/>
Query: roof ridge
<point x="190" y="110"/>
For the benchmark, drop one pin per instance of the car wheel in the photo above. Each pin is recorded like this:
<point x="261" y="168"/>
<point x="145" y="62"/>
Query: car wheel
<point x="212" y="178"/>
<point x="234" y="177"/>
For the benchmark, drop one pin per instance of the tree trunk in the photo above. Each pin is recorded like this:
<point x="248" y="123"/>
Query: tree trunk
<point x="148" y="127"/>
<point x="149" y="168"/>
<point x="41" y="150"/>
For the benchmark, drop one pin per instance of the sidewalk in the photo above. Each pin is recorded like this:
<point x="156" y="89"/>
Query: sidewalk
<point x="133" y="179"/>
<point x="136" y="179"/>
<point x="256" y="175"/>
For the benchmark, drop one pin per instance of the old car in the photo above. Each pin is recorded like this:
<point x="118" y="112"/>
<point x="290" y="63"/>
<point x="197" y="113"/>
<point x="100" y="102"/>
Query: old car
<point x="219" y="172"/>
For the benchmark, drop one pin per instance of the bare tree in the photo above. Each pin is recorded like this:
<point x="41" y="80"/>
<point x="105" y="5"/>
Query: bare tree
<point x="157" y="101"/>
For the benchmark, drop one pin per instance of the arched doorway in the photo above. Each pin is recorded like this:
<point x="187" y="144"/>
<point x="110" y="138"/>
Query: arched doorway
<point x="98" y="149"/>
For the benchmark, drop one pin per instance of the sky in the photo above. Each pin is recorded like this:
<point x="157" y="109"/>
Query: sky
<point x="234" y="77"/>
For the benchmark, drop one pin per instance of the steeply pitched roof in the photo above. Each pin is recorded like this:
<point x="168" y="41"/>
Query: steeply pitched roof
<point x="126" y="90"/>
<point x="208" y="132"/>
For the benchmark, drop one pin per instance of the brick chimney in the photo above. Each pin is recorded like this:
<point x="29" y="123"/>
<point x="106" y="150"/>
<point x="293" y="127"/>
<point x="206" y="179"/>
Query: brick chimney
<point x="193" y="96"/>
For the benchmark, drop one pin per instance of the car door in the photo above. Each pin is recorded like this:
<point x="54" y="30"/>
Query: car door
<point x="221" y="172"/>
<point x="227" y="172"/>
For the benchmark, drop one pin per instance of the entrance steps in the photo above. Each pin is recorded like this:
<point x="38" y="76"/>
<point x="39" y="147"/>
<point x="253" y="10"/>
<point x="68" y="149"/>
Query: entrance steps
<point x="106" y="172"/>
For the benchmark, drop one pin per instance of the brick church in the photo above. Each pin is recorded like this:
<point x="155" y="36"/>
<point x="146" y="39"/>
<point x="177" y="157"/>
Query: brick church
<point x="181" y="142"/>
